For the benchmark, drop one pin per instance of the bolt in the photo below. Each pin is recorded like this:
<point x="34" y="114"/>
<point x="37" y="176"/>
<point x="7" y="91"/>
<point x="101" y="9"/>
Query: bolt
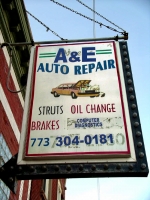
<point x="130" y="167"/>
<point x="138" y="134"/>
<point x="13" y="158"/>
<point x="80" y="167"/>
<point x="105" y="166"/>
<point x="93" y="167"/>
<point x="131" y="97"/>
<point x="134" y="115"/>
<point x="143" y="166"/>
<point x="11" y="167"/>
<point x="11" y="179"/>
<point x="2" y="169"/>
<point x="136" y="124"/>
<point x="127" y="67"/>
<point x="124" y="47"/>
<point x="125" y="60"/>
<point x="129" y="82"/>
<point x="56" y="168"/>
<point x="128" y="74"/>
<point x="118" y="166"/>
<point x="133" y="106"/>
<point x="139" y="144"/>
<point x="31" y="168"/>
<point x="130" y="89"/>
<point x="19" y="168"/>
<point x="68" y="168"/>
<point x="141" y="154"/>
<point x="44" y="168"/>
<point x="125" y="53"/>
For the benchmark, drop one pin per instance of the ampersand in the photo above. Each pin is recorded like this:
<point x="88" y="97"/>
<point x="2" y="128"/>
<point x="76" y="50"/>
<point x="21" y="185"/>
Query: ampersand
<point x="73" y="57"/>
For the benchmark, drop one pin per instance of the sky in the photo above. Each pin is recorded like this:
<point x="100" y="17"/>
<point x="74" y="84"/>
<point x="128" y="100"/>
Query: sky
<point x="134" y="17"/>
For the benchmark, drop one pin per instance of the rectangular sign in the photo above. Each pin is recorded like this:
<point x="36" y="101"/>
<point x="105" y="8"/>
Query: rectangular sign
<point x="77" y="103"/>
<point x="81" y="117"/>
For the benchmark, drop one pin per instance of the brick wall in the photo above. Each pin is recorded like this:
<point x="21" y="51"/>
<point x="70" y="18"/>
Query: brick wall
<point x="13" y="99"/>
<point x="7" y="132"/>
<point x="36" y="186"/>
<point x="54" y="189"/>
<point x="15" y="196"/>
<point x="25" y="190"/>
<point x="5" y="126"/>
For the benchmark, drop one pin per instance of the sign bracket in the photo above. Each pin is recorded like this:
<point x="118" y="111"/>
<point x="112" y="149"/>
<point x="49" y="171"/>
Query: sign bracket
<point x="116" y="38"/>
<point x="10" y="172"/>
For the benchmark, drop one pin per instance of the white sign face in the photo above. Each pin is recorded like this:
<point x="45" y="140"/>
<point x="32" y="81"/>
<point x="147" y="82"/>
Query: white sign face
<point x="78" y="106"/>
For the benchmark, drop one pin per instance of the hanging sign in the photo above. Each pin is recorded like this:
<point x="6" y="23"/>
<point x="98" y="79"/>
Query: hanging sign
<point x="76" y="104"/>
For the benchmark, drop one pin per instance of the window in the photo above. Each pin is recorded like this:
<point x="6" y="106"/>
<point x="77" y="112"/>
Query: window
<point x="5" y="155"/>
<point x="60" y="86"/>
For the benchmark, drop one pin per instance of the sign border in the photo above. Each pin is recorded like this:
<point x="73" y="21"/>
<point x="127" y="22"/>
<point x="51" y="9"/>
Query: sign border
<point x="81" y="154"/>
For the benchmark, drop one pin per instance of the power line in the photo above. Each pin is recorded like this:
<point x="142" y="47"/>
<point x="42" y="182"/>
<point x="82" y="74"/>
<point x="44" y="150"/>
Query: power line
<point x="47" y="28"/>
<point x="100" y="15"/>
<point x="101" y="24"/>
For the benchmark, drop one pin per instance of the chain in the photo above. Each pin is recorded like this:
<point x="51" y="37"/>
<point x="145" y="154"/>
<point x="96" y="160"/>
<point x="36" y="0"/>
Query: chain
<point x="47" y="28"/>
<point x="101" y="24"/>
<point x="100" y="15"/>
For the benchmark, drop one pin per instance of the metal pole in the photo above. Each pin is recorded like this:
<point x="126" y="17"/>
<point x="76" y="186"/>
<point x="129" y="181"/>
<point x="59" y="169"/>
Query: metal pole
<point x="116" y="38"/>
<point x="94" y="34"/>
<point x="98" y="189"/>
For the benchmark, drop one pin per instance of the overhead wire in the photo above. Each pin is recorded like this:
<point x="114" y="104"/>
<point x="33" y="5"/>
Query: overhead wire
<point x="47" y="28"/>
<point x="101" y="24"/>
<point x="100" y="15"/>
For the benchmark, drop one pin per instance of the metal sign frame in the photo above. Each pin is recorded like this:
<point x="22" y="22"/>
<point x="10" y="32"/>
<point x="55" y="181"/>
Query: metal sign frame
<point x="138" y="167"/>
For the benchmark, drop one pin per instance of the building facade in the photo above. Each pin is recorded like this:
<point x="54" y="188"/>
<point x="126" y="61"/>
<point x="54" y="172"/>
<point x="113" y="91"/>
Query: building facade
<point x="15" y="28"/>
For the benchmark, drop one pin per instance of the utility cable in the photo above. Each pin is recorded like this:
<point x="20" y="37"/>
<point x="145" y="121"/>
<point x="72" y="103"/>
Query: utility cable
<point x="101" y="24"/>
<point x="100" y="15"/>
<point x="47" y="28"/>
<point x="94" y="34"/>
